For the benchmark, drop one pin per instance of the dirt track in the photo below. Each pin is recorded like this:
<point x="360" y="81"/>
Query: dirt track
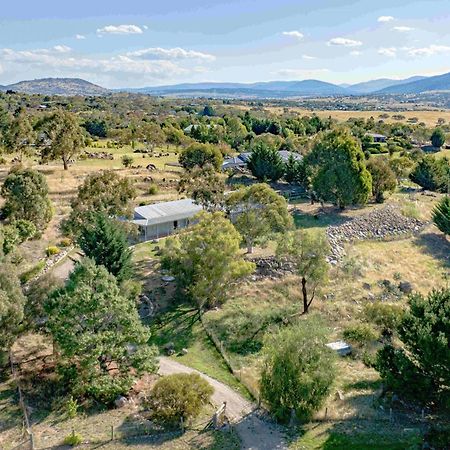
<point x="255" y="433"/>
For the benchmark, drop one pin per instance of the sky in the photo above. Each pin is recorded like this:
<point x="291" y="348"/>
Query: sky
<point x="148" y="43"/>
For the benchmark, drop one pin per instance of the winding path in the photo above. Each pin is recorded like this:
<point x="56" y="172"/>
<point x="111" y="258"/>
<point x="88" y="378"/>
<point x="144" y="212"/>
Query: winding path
<point x="254" y="432"/>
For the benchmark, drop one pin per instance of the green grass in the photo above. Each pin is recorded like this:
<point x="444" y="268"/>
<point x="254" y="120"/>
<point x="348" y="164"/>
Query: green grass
<point x="143" y="252"/>
<point x="319" y="221"/>
<point x="182" y="327"/>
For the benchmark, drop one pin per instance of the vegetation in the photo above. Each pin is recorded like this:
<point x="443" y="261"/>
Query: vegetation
<point x="265" y="162"/>
<point x="432" y="173"/>
<point x="105" y="241"/>
<point x="98" y="334"/>
<point x="206" y="262"/>
<point x="438" y="138"/>
<point x="419" y="369"/>
<point x="308" y="251"/>
<point x="441" y="215"/>
<point x="383" y="177"/>
<point x="200" y="155"/>
<point x="26" y="197"/>
<point x="258" y="212"/>
<point x="339" y="174"/>
<point x="179" y="397"/>
<point x="298" y="371"/>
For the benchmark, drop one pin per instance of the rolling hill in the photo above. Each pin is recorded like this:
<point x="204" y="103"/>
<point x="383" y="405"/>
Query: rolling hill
<point x="57" y="86"/>
<point x="436" y="83"/>
<point x="368" y="87"/>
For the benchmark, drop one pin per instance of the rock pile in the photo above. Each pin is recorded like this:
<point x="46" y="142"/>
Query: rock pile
<point x="379" y="224"/>
<point x="99" y="155"/>
<point x="270" y="267"/>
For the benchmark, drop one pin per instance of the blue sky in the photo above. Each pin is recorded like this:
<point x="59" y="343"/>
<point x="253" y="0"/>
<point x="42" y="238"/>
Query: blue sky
<point x="141" y="43"/>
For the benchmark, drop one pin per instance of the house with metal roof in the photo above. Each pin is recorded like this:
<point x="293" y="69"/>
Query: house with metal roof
<point x="162" y="219"/>
<point x="241" y="160"/>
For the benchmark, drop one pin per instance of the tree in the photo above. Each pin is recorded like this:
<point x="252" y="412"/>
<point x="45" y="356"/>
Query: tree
<point x="438" y="138"/>
<point x="432" y="173"/>
<point x="298" y="370"/>
<point x="104" y="240"/>
<point x="64" y="135"/>
<point x="206" y="261"/>
<point x="12" y="302"/>
<point x="200" y="155"/>
<point x="258" y="212"/>
<point x="308" y="251"/>
<point x="265" y="162"/>
<point x="179" y="396"/>
<point x="295" y="170"/>
<point x="15" y="233"/>
<point x="419" y="369"/>
<point x="100" y="341"/>
<point x="26" y="197"/>
<point x="127" y="160"/>
<point x="339" y="174"/>
<point x="441" y="215"/>
<point x="105" y="192"/>
<point x="96" y="127"/>
<point x="205" y="186"/>
<point x="208" y="110"/>
<point x="383" y="177"/>
<point x="153" y="135"/>
<point x="19" y="135"/>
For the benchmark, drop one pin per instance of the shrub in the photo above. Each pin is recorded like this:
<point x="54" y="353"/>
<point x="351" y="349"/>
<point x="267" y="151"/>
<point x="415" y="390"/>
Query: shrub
<point x="25" y="228"/>
<point x="65" y="242"/>
<point x="73" y="439"/>
<point x="432" y="173"/>
<point x="387" y="316"/>
<point x="52" y="250"/>
<point x="153" y="189"/>
<point x="179" y="396"/>
<point x="360" y="333"/>
<point x="410" y="209"/>
<point x="298" y="370"/>
<point x="33" y="272"/>
<point x="441" y="215"/>
<point x="71" y="407"/>
<point x="127" y="160"/>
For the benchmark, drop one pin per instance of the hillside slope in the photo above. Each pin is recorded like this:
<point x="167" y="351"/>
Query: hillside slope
<point x="436" y="83"/>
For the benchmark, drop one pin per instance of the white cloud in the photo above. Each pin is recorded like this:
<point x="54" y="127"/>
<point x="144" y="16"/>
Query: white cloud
<point x="429" y="51"/>
<point x="391" y="52"/>
<point x="403" y="29"/>
<point x="344" y="42"/>
<point x="299" y="73"/>
<point x="80" y="37"/>
<point x="120" y="29"/>
<point x="295" y="34"/>
<point x="177" y="53"/>
<point x="355" y="53"/>
<point x="62" y="48"/>
<point x="308" y="57"/>
<point x="384" y="19"/>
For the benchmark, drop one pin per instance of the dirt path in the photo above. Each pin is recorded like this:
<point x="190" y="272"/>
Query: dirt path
<point x="255" y="433"/>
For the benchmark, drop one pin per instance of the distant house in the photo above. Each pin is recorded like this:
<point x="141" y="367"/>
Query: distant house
<point x="241" y="160"/>
<point x="381" y="138"/>
<point x="162" y="219"/>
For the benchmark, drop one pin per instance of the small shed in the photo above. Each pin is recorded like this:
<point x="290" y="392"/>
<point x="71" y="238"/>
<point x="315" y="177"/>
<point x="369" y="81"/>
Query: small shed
<point x="162" y="219"/>
<point x="380" y="138"/>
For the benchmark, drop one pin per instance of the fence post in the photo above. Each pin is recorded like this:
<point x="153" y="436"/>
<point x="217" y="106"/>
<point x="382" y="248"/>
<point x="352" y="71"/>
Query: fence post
<point x="182" y="424"/>
<point x="112" y="432"/>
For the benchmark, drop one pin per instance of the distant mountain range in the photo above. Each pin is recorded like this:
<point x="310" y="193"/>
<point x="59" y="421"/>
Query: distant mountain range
<point x="270" y="89"/>
<point x="57" y="86"/>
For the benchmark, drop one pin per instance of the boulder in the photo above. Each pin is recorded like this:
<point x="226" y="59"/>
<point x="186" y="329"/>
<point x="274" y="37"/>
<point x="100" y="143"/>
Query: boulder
<point x="120" y="401"/>
<point x="406" y="287"/>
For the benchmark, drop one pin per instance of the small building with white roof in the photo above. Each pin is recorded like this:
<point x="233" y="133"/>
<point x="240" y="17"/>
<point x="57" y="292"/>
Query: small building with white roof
<point x="162" y="219"/>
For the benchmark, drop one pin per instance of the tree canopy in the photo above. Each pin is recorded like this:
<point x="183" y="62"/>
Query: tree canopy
<point x="339" y="173"/>
<point x="206" y="261"/>
<point x="298" y="370"/>
<point x="26" y="197"/>
<point x="383" y="177"/>
<point x="200" y="155"/>
<point x="438" y="138"/>
<point x="441" y="215"/>
<point x="105" y="241"/>
<point x="101" y="342"/>
<point x="265" y="162"/>
<point x="258" y="212"/>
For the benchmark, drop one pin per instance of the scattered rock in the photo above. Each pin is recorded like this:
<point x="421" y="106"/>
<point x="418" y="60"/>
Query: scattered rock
<point x="169" y="348"/>
<point x="406" y="287"/>
<point x="120" y="401"/>
<point x="367" y="286"/>
<point x="340" y="347"/>
<point x="151" y="167"/>
<point x="167" y="278"/>
<point x="184" y="351"/>
<point x="340" y="396"/>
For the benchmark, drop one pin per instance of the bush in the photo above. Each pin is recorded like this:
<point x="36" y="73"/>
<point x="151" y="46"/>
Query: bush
<point x="127" y="160"/>
<point x="409" y="209"/>
<point x="179" y="396"/>
<point x="71" y="407"/>
<point x="298" y="370"/>
<point x="65" y="242"/>
<point x="432" y="173"/>
<point x="73" y="439"/>
<point x="52" y="250"/>
<point x="360" y="333"/>
<point x="441" y="215"/>
<point x="153" y="189"/>
<point x="387" y="316"/>
<point x="33" y="272"/>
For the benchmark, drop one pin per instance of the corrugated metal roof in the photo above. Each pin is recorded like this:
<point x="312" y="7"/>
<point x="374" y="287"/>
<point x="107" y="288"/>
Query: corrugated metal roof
<point x="166" y="211"/>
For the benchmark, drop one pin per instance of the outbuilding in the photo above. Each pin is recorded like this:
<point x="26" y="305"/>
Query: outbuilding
<point x="162" y="219"/>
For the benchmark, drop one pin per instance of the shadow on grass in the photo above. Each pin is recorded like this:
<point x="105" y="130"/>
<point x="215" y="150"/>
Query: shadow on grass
<point x="329" y="217"/>
<point x="435" y="245"/>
